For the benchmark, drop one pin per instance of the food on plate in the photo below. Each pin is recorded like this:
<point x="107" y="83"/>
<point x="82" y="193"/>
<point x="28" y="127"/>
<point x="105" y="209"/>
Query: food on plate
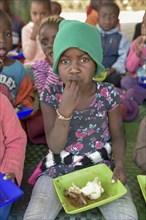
<point x="79" y="197"/>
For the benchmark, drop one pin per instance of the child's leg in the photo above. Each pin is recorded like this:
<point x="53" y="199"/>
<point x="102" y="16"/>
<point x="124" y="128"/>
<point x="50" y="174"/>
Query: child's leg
<point x="44" y="203"/>
<point x="4" y="212"/>
<point x="122" y="208"/>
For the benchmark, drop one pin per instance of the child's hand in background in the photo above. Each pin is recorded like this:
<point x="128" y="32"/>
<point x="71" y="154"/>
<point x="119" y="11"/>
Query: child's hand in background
<point x="9" y="176"/>
<point x="34" y="31"/>
<point x="139" y="45"/>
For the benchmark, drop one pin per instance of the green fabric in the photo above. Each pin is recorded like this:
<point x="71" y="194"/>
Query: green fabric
<point x="76" y="34"/>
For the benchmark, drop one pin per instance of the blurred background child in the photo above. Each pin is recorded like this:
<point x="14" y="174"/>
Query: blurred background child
<point x="43" y="75"/>
<point x="12" y="147"/>
<point x="136" y="59"/>
<point x="137" y="31"/>
<point x="17" y="24"/>
<point x="56" y="8"/>
<point x="31" y="48"/>
<point x="115" y="45"/>
<point x="12" y="73"/>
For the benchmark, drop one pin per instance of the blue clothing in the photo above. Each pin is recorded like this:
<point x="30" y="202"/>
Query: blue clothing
<point x="12" y="76"/>
<point x="4" y="211"/>
<point x="115" y="48"/>
<point x="88" y="130"/>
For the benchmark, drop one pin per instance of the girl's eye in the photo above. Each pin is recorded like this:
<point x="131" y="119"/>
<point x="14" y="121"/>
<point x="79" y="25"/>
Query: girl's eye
<point x="84" y="60"/>
<point x="64" y="61"/>
<point x="44" y="42"/>
<point x="8" y="34"/>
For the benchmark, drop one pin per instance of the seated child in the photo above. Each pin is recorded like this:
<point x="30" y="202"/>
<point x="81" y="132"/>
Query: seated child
<point x="137" y="31"/>
<point x="31" y="47"/>
<point x="12" y="147"/>
<point x="56" y="8"/>
<point x="12" y="73"/>
<point x="136" y="59"/>
<point x="80" y="131"/>
<point x="115" y="45"/>
<point x="43" y="74"/>
<point x="17" y="24"/>
<point x="139" y="153"/>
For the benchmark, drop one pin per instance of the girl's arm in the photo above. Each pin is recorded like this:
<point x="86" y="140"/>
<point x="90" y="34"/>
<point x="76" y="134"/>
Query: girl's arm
<point x="118" y="143"/>
<point x="14" y="141"/>
<point x="28" y="45"/>
<point x="56" y="129"/>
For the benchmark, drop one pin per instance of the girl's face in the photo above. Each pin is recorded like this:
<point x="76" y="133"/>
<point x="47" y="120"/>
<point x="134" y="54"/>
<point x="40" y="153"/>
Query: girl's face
<point x="143" y="31"/>
<point x="75" y="64"/>
<point x="108" y="18"/>
<point x="5" y="37"/>
<point x="38" y="11"/>
<point x="46" y="36"/>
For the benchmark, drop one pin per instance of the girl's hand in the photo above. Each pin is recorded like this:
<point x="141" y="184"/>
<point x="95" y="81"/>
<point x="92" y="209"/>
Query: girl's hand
<point x="139" y="45"/>
<point x="9" y="176"/>
<point x="34" y="31"/>
<point x="70" y="98"/>
<point x="119" y="173"/>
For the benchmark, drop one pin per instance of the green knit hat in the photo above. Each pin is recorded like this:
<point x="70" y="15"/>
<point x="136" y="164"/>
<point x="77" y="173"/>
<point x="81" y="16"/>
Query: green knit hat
<point x="76" y="34"/>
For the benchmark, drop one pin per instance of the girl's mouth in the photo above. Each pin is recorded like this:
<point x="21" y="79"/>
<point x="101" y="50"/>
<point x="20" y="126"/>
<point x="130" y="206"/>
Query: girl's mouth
<point x="74" y="78"/>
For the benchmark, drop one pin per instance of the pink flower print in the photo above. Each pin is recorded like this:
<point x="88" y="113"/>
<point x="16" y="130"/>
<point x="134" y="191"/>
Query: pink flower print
<point x="49" y="90"/>
<point x="69" y="149"/>
<point x="48" y="98"/>
<point x="105" y="133"/>
<point x="100" y="104"/>
<point x="81" y="134"/>
<point x="104" y="92"/>
<point x="91" y="131"/>
<point x="58" y="97"/>
<point x="78" y="146"/>
<point x="98" y="145"/>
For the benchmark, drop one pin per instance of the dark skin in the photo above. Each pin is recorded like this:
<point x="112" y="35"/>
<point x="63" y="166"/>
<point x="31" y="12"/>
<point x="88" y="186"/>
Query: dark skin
<point x="76" y="69"/>
<point x="108" y="19"/>
<point x="5" y="46"/>
<point x="46" y="37"/>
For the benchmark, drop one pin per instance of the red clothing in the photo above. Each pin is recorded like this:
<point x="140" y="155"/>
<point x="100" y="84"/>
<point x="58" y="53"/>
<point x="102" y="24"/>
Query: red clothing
<point x="12" y="140"/>
<point x="92" y="18"/>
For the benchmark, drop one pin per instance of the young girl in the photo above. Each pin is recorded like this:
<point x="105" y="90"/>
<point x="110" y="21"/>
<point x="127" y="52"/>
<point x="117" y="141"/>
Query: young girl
<point x="43" y="74"/>
<point x="12" y="73"/>
<point x="31" y="48"/>
<point x="136" y="59"/>
<point x="12" y="147"/>
<point x="81" y="123"/>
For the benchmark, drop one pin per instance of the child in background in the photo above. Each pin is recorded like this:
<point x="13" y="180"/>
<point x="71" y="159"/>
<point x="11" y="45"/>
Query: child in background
<point x="137" y="31"/>
<point x="12" y="73"/>
<point x="12" y="147"/>
<point x="17" y="24"/>
<point x="31" y="48"/>
<point x="56" y="8"/>
<point x="139" y="153"/>
<point x="136" y="59"/>
<point x="43" y="74"/>
<point x="115" y="45"/>
<point x="80" y="131"/>
<point x="92" y="12"/>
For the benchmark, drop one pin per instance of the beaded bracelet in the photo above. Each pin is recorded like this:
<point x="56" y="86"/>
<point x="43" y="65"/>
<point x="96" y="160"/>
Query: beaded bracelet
<point x="62" y="117"/>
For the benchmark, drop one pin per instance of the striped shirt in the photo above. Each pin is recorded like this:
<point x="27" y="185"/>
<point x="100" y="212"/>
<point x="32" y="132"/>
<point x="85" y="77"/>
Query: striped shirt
<point x="43" y="75"/>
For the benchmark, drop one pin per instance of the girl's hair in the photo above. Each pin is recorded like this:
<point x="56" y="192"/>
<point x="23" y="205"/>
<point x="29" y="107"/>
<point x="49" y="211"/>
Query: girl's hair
<point x="4" y="14"/>
<point x="53" y="19"/>
<point x="43" y="1"/>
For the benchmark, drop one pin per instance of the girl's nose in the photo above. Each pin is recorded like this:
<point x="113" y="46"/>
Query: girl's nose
<point x="74" y="69"/>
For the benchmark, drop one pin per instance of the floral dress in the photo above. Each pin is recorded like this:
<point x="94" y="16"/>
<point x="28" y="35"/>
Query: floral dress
<point x="88" y="131"/>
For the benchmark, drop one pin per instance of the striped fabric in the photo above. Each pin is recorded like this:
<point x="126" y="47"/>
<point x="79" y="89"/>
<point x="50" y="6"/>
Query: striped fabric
<point x="43" y="74"/>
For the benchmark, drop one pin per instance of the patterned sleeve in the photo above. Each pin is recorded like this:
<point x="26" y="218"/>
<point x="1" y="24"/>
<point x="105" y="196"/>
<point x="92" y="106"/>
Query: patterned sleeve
<point x="113" y="97"/>
<point x="51" y="95"/>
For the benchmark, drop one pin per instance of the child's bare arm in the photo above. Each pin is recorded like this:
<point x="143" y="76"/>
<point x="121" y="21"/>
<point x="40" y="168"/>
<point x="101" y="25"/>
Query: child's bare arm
<point x="118" y="144"/>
